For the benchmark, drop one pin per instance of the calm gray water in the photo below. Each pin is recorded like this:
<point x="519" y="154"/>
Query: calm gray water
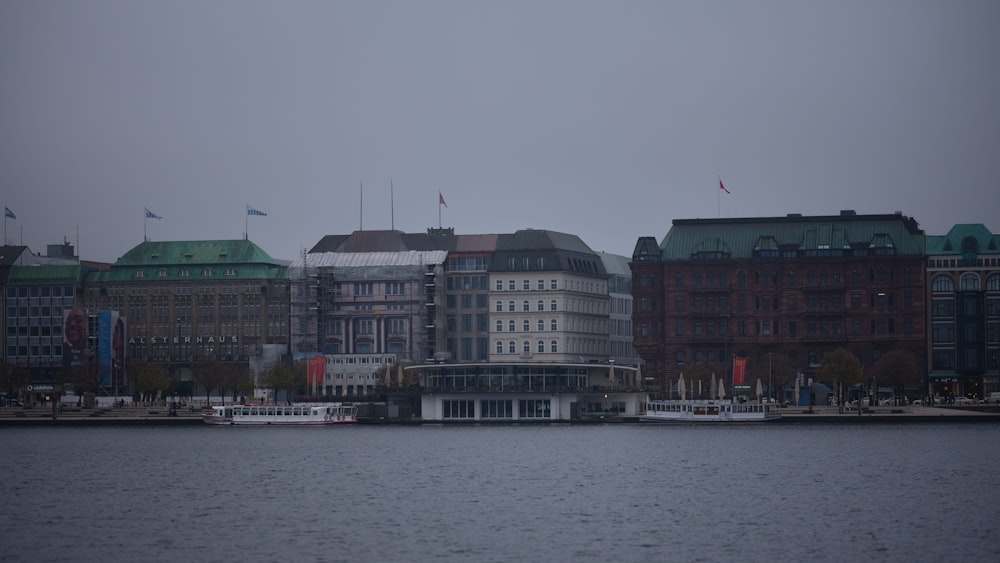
<point x="502" y="493"/>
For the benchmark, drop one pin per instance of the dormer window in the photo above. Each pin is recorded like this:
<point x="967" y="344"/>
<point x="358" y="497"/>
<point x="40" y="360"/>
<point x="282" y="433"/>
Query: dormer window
<point x="207" y="272"/>
<point x="161" y="273"/>
<point x="140" y="274"/>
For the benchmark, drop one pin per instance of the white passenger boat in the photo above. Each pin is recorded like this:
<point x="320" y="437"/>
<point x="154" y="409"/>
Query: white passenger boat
<point x="294" y="415"/>
<point x="707" y="411"/>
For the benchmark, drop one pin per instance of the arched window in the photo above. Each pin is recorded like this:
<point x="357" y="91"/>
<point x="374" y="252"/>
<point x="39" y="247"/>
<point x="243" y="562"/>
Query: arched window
<point x="541" y="346"/>
<point x="552" y="305"/>
<point x="554" y="347"/>
<point x="555" y="324"/>
<point x="993" y="283"/>
<point x="499" y="326"/>
<point x="541" y="305"/>
<point x="499" y="306"/>
<point x="512" y="347"/>
<point x="526" y="325"/>
<point x="942" y="283"/>
<point x="970" y="282"/>
<point x="511" y="326"/>
<point x="510" y="306"/>
<point x="526" y="306"/>
<point x="499" y="346"/>
<point x="541" y="325"/>
<point x="527" y="347"/>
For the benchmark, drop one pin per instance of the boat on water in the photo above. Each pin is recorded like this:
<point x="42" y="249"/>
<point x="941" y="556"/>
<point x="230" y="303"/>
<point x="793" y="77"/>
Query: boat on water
<point x="290" y="415"/>
<point x="707" y="411"/>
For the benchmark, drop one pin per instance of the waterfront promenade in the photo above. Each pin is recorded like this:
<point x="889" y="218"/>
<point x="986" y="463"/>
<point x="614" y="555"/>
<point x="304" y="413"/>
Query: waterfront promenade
<point x="161" y="416"/>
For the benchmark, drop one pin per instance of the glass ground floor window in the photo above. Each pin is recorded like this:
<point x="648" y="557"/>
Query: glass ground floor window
<point x="458" y="409"/>
<point x="534" y="408"/>
<point x="499" y="408"/>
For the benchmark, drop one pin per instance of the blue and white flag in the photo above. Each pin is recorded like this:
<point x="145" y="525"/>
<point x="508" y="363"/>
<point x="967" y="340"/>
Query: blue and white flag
<point x="8" y="213"/>
<point x="151" y="215"/>
<point x="252" y="211"/>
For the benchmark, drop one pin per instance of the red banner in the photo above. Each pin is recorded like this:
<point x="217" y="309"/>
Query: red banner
<point x="739" y="371"/>
<point x="317" y="369"/>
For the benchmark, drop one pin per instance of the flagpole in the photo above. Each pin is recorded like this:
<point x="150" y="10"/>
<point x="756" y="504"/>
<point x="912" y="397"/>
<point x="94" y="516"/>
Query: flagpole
<point x="718" y="200"/>
<point x="246" y="223"/>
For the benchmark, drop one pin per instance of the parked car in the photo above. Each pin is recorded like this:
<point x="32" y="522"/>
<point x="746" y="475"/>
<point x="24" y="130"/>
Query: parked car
<point x="993" y="398"/>
<point x="960" y="400"/>
<point x="14" y="403"/>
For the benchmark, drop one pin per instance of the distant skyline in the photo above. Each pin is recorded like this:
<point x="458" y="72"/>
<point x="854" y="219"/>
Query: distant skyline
<point x="606" y="120"/>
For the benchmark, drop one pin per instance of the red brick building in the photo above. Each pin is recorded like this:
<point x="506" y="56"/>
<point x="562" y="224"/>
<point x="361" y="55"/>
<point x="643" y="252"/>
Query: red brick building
<point x="778" y="289"/>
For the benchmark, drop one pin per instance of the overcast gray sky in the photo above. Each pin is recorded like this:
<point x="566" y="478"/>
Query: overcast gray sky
<point x="602" y="119"/>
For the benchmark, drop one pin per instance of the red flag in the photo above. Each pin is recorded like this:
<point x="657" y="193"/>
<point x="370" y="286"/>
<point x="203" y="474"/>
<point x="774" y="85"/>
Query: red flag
<point x="723" y="188"/>
<point x="739" y="371"/>
<point x="441" y="200"/>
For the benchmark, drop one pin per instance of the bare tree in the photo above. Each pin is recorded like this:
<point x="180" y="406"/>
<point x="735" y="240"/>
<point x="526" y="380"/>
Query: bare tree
<point x="842" y="367"/>
<point x="898" y="369"/>
<point x="211" y="375"/>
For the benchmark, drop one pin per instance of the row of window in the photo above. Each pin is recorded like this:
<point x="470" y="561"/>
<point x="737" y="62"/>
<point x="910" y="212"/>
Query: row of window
<point x="496" y="408"/>
<point x="526" y="325"/>
<point x="185" y="272"/>
<point x="526" y="285"/>
<point x="945" y="333"/>
<point x="813" y="302"/>
<point x="768" y="278"/>
<point x="526" y="306"/>
<point x="526" y="347"/>
<point x="772" y="327"/>
<point x="968" y="281"/>
<point x="40" y="291"/>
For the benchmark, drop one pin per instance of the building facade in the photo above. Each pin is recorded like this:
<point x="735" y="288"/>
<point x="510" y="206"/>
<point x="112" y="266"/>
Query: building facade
<point x="963" y="292"/>
<point x="189" y="304"/>
<point x="791" y="288"/>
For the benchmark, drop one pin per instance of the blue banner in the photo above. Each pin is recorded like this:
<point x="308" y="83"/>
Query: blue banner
<point x="104" y="325"/>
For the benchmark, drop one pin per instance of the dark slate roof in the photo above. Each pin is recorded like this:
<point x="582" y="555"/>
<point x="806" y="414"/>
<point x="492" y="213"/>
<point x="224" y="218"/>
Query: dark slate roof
<point x="9" y="254"/>
<point x="739" y="238"/>
<point x="560" y="251"/>
<point x="541" y="239"/>
<point x="975" y="235"/>
<point x="150" y="253"/>
<point x="383" y="241"/>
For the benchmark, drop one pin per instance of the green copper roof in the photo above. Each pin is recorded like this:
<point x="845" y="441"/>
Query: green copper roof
<point x="742" y="238"/>
<point x="217" y="260"/>
<point x="47" y="274"/>
<point x="966" y="238"/>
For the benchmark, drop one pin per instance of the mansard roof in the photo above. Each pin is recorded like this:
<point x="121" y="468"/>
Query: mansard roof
<point x="970" y="238"/>
<point x="193" y="260"/>
<point x="545" y="250"/>
<point x="742" y="238"/>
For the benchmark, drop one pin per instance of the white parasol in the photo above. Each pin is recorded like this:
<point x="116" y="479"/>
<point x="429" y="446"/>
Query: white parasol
<point x="680" y="386"/>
